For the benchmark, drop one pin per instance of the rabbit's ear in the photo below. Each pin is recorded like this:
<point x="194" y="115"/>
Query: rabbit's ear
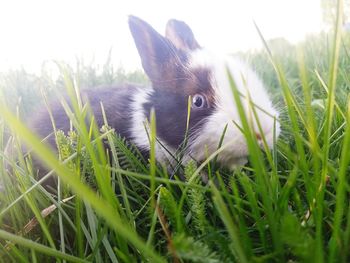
<point x="158" y="54"/>
<point x="181" y="35"/>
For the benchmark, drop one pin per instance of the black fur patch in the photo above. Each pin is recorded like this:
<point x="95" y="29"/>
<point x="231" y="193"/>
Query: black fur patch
<point x="116" y="102"/>
<point x="171" y="106"/>
<point x="165" y="61"/>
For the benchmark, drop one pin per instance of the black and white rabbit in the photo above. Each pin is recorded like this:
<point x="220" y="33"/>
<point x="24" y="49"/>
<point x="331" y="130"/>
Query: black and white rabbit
<point x="178" y="67"/>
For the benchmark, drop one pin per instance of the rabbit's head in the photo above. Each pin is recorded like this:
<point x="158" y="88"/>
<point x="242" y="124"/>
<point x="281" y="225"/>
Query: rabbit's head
<point x="179" y="69"/>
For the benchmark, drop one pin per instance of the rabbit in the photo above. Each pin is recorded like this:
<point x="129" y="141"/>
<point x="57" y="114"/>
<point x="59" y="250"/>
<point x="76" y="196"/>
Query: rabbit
<point x="178" y="68"/>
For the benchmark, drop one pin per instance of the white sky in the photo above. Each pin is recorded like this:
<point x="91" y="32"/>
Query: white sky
<point x="38" y="30"/>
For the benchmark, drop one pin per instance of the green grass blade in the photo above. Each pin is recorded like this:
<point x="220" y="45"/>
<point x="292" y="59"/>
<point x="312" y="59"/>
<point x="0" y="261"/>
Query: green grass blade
<point x="230" y="225"/>
<point x="101" y="207"/>
<point x="38" y="247"/>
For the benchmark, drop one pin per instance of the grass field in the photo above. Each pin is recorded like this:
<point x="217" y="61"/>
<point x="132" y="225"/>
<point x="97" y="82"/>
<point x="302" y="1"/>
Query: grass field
<point x="287" y="205"/>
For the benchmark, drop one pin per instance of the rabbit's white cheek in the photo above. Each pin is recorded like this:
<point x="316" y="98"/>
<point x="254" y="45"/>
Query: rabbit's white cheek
<point x="238" y="162"/>
<point x="207" y="141"/>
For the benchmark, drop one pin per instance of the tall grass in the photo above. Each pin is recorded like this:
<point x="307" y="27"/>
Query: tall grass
<point x="289" y="204"/>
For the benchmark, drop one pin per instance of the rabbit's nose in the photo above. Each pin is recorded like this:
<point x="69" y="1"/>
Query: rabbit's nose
<point x="259" y="140"/>
<point x="258" y="136"/>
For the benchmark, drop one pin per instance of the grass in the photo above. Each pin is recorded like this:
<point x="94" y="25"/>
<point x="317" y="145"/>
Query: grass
<point x="290" y="204"/>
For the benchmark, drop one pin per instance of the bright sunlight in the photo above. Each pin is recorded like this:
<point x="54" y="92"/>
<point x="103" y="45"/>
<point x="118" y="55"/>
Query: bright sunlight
<point x="39" y="30"/>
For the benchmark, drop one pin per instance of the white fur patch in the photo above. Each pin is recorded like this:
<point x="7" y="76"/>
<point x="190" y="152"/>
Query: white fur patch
<point x="140" y="129"/>
<point x="247" y="83"/>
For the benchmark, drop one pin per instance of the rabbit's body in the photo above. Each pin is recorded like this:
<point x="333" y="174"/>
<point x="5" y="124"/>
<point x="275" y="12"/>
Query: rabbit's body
<point x="117" y="105"/>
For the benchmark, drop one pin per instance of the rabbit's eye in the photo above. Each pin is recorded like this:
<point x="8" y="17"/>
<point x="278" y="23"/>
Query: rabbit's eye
<point x="199" y="101"/>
